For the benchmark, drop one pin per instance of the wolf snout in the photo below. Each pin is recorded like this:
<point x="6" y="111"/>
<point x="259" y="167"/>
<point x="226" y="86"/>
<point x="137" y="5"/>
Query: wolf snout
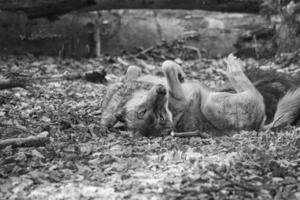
<point x="161" y="90"/>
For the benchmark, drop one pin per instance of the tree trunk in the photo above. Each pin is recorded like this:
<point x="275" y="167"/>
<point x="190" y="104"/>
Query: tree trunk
<point x="48" y="8"/>
<point x="97" y="40"/>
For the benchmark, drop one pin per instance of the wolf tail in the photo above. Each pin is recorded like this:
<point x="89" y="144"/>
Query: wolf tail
<point x="288" y="110"/>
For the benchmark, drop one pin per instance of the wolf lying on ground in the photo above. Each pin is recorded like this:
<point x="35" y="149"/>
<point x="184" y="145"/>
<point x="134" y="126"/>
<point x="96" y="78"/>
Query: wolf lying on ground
<point x="195" y="107"/>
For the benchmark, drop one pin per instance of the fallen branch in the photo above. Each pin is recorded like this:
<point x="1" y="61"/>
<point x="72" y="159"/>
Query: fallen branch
<point x="39" y="140"/>
<point x="8" y="84"/>
<point x="194" y="49"/>
<point x="235" y="183"/>
<point x="292" y="58"/>
<point x="143" y="52"/>
<point x="96" y="76"/>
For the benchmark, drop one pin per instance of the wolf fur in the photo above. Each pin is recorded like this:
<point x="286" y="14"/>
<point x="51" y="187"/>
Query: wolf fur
<point x="271" y="84"/>
<point x="220" y="112"/>
<point x="288" y="111"/>
<point x="216" y="112"/>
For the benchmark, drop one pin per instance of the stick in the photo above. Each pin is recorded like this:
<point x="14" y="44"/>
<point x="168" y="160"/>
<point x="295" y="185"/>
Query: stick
<point x="92" y="76"/>
<point x="8" y="84"/>
<point x="194" y="49"/>
<point x="294" y="57"/>
<point x="142" y="52"/>
<point x="190" y="134"/>
<point x="96" y="76"/>
<point x="39" y="140"/>
<point x="237" y="184"/>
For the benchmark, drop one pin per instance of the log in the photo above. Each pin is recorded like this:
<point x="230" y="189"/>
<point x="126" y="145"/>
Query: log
<point x="43" y="8"/>
<point x="48" y="8"/>
<point x="39" y="140"/>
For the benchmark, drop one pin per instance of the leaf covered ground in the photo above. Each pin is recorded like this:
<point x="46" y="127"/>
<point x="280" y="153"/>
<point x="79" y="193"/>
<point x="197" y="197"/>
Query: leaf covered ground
<point x="80" y="163"/>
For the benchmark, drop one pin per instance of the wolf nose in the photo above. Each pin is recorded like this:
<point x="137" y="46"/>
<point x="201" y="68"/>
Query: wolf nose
<point x="161" y="90"/>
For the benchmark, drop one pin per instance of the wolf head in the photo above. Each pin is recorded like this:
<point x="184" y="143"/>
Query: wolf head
<point x="147" y="112"/>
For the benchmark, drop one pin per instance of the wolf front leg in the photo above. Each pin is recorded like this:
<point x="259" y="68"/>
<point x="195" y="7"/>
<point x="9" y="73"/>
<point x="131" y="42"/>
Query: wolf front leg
<point x="177" y="101"/>
<point x="171" y="72"/>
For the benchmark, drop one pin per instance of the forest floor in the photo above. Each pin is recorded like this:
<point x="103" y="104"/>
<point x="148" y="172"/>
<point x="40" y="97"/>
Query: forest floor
<point x="80" y="163"/>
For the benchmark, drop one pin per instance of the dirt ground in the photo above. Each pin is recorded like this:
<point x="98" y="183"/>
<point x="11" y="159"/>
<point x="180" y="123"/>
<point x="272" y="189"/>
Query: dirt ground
<point x="79" y="162"/>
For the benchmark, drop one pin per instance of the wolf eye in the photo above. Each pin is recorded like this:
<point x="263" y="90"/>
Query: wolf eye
<point x="141" y="113"/>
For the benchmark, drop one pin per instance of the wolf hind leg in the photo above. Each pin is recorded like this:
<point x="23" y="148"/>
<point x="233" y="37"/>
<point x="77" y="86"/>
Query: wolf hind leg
<point x="236" y="76"/>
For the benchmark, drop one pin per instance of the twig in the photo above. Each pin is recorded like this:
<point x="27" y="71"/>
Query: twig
<point x="194" y="49"/>
<point x="255" y="46"/>
<point x="8" y="84"/>
<point x="39" y="140"/>
<point x="15" y="128"/>
<point x="190" y="134"/>
<point x="233" y="182"/>
<point x="215" y="189"/>
<point x="292" y="59"/>
<point x="142" y="52"/>
<point x="95" y="76"/>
